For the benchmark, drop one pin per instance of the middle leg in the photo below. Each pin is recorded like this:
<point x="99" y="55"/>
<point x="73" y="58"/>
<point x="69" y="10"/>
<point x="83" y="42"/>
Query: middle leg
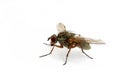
<point x="67" y="57"/>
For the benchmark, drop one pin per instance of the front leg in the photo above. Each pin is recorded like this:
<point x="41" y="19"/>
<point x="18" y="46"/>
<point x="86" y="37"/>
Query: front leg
<point x="59" y="46"/>
<point x="48" y="53"/>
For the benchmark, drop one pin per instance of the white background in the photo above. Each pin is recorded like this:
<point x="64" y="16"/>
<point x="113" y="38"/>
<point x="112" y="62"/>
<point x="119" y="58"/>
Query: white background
<point x="26" y="24"/>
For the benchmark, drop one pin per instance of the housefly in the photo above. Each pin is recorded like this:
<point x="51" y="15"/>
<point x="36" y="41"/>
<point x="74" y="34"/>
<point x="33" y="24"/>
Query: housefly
<point x="70" y="40"/>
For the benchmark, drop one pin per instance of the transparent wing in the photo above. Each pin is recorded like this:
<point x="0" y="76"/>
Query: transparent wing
<point x="91" y="41"/>
<point x="61" y="27"/>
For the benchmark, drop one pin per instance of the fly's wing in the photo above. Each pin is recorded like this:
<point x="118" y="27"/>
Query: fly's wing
<point x="85" y="42"/>
<point x="91" y="41"/>
<point x="82" y="43"/>
<point x="61" y="27"/>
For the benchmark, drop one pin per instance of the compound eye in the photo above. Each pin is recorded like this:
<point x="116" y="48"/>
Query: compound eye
<point x="53" y="39"/>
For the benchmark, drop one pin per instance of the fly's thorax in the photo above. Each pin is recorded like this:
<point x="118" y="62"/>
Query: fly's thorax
<point x="64" y="37"/>
<point x="62" y="40"/>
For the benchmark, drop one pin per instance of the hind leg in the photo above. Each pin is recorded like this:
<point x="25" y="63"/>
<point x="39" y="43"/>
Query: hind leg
<point x="86" y="54"/>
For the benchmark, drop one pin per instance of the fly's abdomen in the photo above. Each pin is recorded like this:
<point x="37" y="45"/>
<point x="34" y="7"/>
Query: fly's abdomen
<point x="84" y="45"/>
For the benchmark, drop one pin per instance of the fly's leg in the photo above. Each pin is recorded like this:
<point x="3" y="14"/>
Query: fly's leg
<point x="73" y="45"/>
<point x="49" y="53"/>
<point x="67" y="57"/>
<point x="86" y="54"/>
<point x="59" y="46"/>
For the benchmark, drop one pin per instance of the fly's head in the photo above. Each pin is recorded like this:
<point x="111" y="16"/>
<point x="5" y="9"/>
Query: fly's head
<point x="53" y="39"/>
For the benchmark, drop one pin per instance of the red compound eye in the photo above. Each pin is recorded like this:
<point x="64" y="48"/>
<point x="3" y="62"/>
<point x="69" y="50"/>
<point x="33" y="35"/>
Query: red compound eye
<point x="53" y="39"/>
